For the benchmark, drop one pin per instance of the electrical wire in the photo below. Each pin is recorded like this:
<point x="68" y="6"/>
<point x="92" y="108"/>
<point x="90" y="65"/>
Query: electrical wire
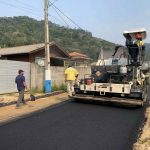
<point x="52" y="3"/>
<point x="61" y="17"/>
<point x="22" y="8"/>
<point x="30" y="10"/>
<point x="65" y="15"/>
<point x="50" y="17"/>
<point x="27" y="5"/>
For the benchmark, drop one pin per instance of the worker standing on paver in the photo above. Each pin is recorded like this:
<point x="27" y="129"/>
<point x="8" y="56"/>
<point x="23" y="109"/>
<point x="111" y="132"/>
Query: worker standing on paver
<point x="140" y="43"/>
<point x="71" y="75"/>
<point x="21" y="85"/>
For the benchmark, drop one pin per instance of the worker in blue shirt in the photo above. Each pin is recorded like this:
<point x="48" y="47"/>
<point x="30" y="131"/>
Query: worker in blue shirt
<point x="21" y="85"/>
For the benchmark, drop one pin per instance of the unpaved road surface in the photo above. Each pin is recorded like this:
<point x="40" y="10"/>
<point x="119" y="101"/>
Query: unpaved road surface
<point x="74" y="126"/>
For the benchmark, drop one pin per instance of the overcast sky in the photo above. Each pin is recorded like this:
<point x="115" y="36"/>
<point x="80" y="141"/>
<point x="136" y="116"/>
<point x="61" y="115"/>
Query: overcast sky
<point x="106" y="19"/>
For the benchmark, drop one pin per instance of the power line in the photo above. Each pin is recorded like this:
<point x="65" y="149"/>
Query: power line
<point x="58" y="12"/>
<point x="29" y="7"/>
<point x="29" y="10"/>
<point x="50" y="16"/>
<point x="22" y="8"/>
<point x="52" y="3"/>
<point x="20" y="2"/>
<point x="65" y="15"/>
<point x="61" y="17"/>
<point x="25" y="4"/>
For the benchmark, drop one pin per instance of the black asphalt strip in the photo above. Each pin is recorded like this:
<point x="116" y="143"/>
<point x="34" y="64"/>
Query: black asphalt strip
<point x="74" y="126"/>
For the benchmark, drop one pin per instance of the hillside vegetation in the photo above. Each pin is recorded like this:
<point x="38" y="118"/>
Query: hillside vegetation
<point x="15" y="31"/>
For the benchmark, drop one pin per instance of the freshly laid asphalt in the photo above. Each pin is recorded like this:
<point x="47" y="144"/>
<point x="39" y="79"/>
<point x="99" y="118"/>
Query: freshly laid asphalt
<point x="74" y="126"/>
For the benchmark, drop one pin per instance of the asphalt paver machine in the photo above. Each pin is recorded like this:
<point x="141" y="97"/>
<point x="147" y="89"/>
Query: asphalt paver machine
<point x="119" y="83"/>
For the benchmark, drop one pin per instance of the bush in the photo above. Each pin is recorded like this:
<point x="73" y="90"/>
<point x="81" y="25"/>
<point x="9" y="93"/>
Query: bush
<point x="55" y="88"/>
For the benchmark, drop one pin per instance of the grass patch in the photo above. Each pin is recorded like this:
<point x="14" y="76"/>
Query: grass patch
<point x="35" y="90"/>
<point x="62" y="87"/>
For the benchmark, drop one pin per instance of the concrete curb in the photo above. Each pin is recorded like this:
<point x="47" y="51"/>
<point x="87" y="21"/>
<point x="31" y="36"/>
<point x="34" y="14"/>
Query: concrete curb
<point x="37" y="97"/>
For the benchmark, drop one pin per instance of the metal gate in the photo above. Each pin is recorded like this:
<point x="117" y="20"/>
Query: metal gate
<point x="8" y="72"/>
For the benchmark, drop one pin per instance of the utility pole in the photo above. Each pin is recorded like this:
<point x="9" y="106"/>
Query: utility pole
<point x="47" y="51"/>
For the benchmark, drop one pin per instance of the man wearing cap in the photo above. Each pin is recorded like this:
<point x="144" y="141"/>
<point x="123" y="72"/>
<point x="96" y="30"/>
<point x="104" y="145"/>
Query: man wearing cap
<point x="21" y="85"/>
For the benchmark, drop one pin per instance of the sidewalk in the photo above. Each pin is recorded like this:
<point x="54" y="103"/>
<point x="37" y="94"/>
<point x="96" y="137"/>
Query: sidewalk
<point x="9" y="113"/>
<point x="143" y="142"/>
<point x="9" y="99"/>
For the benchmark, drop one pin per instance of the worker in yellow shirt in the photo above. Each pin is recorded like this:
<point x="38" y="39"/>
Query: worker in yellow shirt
<point x="70" y="76"/>
<point x="140" y="43"/>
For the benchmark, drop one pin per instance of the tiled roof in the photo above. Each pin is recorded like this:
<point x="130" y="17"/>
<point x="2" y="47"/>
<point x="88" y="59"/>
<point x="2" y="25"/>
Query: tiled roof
<point x="75" y="54"/>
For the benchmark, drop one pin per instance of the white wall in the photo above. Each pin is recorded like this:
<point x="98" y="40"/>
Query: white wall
<point x="57" y="75"/>
<point x="8" y="73"/>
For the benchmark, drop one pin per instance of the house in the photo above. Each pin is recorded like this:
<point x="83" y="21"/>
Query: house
<point x="78" y="59"/>
<point x="35" y="53"/>
<point x="112" y="57"/>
